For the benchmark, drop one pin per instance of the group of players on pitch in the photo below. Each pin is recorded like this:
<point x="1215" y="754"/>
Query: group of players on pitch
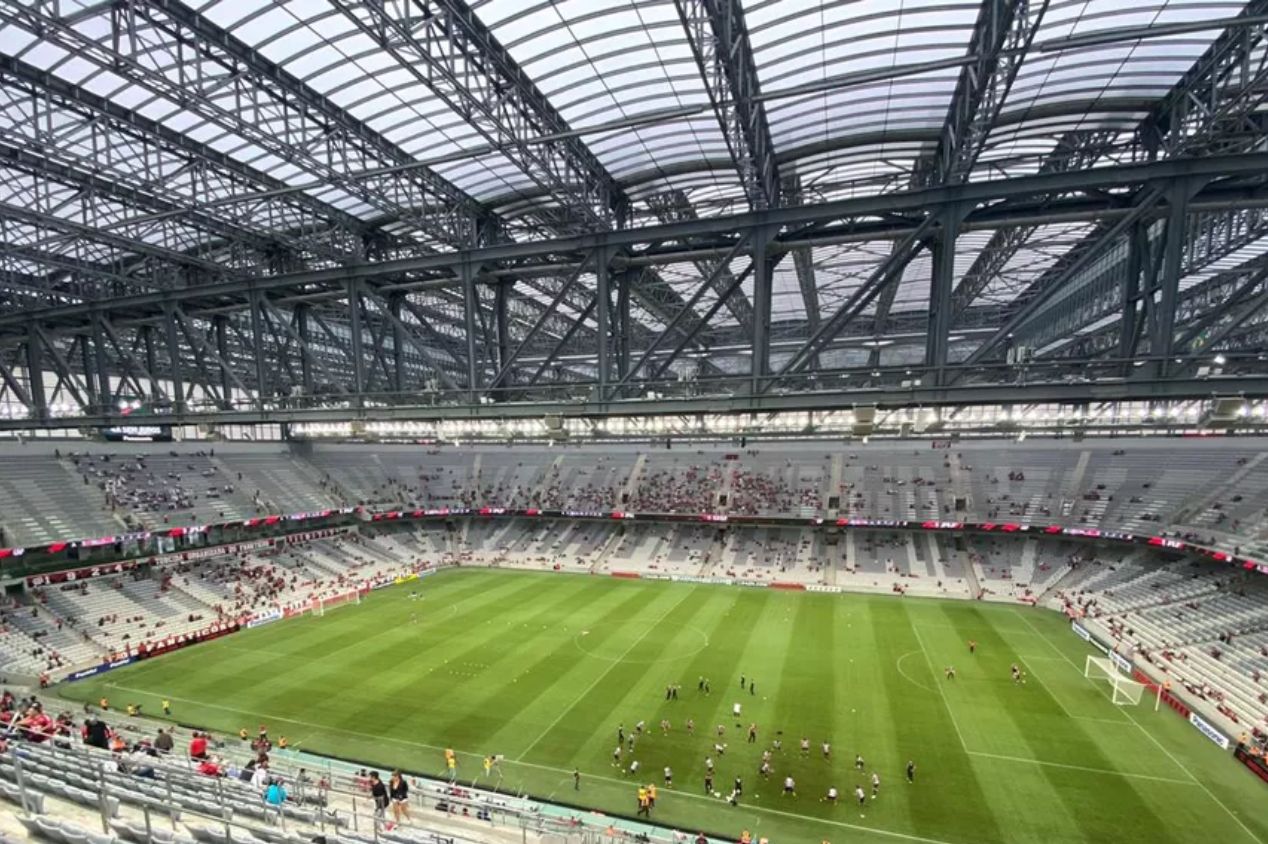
<point x="626" y="742"/>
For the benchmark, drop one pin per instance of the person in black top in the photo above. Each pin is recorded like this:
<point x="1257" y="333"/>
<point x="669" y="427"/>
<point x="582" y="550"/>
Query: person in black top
<point x="378" y="791"/>
<point x="398" y="789"/>
<point x="96" y="734"/>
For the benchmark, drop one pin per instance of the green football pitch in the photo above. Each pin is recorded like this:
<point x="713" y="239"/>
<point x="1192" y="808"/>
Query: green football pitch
<point x="542" y="668"/>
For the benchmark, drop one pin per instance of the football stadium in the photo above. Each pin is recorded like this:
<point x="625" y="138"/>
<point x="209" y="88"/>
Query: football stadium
<point x="633" y="421"/>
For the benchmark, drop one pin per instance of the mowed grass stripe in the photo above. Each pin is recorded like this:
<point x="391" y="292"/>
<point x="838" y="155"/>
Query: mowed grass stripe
<point x="601" y="703"/>
<point x="425" y="673"/>
<point x="540" y="678"/>
<point x="939" y="755"/>
<point x="1031" y="714"/>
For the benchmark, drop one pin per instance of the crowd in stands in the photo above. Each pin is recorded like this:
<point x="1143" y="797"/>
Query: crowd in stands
<point x="166" y="486"/>
<point x="1203" y="628"/>
<point x="123" y="614"/>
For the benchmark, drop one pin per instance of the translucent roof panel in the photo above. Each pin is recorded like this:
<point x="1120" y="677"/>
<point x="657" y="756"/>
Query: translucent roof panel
<point x="1135" y="70"/>
<point x="800" y="42"/>
<point x="606" y="61"/>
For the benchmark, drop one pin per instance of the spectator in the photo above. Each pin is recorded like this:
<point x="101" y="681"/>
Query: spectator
<point x="163" y="741"/>
<point x="275" y="794"/>
<point x="198" y="746"/>
<point x="398" y="789"/>
<point x="378" y="791"/>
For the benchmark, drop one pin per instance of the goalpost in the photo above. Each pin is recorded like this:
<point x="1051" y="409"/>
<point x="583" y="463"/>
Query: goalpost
<point x="319" y="606"/>
<point x="1125" y="691"/>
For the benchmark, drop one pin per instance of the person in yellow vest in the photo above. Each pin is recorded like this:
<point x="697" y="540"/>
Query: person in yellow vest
<point x="132" y="710"/>
<point x="651" y="795"/>
<point x="167" y="706"/>
<point x="488" y="765"/>
<point x="104" y="704"/>
<point x="281" y="742"/>
<point x="644" y="803"/>
<point x="242" y="734"/>
<point x="452" y="762"/>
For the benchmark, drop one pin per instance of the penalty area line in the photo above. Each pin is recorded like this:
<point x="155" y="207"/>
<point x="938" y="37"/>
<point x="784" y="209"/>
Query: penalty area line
<point x="1106" y="771"/>
<point x="1152" y="738"/>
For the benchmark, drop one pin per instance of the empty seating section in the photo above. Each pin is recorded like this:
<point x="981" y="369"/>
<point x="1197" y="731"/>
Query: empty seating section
<point x="563" y="545"/>
<point x="590" y="482"/>
<point x="1209" y="489"/>
<point x="509" y="479"/>
<point x="1204" y="627"/>
<point x="285" y="483"/>
<point x="1021" y="567"/>
<point x="766" y="553"/>
<point x="898" y="484"/>
<point x="44" y="502"/>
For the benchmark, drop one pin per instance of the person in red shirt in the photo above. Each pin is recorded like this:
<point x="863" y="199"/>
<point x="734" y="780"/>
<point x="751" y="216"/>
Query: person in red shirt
<point x="198" y="746"/>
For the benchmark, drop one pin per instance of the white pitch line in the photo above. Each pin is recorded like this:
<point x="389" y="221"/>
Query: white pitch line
<point x="887" y="833"/>
<point x="1152" y="738"/>
<point x="898" y="663"/>
<point x="1068" y="713"/>
<point x="941" y="693"/>
<point x="564" y="713"/>
<point x="1107" y="771"/>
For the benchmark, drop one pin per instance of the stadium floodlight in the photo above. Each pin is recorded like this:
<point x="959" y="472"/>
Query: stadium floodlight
<point x="1124" y="690"/>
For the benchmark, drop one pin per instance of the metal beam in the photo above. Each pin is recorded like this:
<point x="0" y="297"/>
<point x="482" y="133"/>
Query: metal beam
<point x="1057" y="279"/>
<point x="704" y="285"/>
<point x="785" y="218"/>
<point x="887" y="272"/>
<point x="1211" y="110"/>
<point x="674" y="206"/>
<point x="1214" y="107"/>
<point x="719" y="41"/>
<point x="1000" y="40"/>
<point x="447" y="48"/>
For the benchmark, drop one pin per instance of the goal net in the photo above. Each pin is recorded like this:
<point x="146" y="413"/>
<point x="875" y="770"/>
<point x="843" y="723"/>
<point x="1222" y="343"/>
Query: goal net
<point x="319" y="606"/>
<point x="1124" y="690"/>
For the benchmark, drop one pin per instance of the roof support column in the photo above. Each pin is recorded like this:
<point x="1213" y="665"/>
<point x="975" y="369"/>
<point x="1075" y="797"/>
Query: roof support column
<point x="174" y="361"/>
<point x="35" y="374"/>
<point x="398" y="342"/>
<point x="762" y="266"/>
<point x="257" y="346"/>
<point x="502" y="325"/>
<point x="305" y="353"/>
<point x="90" y="377"/>
<point x="470" y="306"/>
<point x="103" y="373"/>
<point x="1163" y="339"/>
<point x="940" y="290"/>
<point x="358" y="353"/>
<point x="220" y="325"/>
<point x="151" y="358"/>
<point x="1129" y="325"/>
<point x="624" y="281"/>
<point x="603" y="320"/>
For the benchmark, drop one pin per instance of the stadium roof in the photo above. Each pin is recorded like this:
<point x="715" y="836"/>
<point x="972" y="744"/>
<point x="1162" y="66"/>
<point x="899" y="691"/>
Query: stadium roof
<point x="502" y="197"/>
